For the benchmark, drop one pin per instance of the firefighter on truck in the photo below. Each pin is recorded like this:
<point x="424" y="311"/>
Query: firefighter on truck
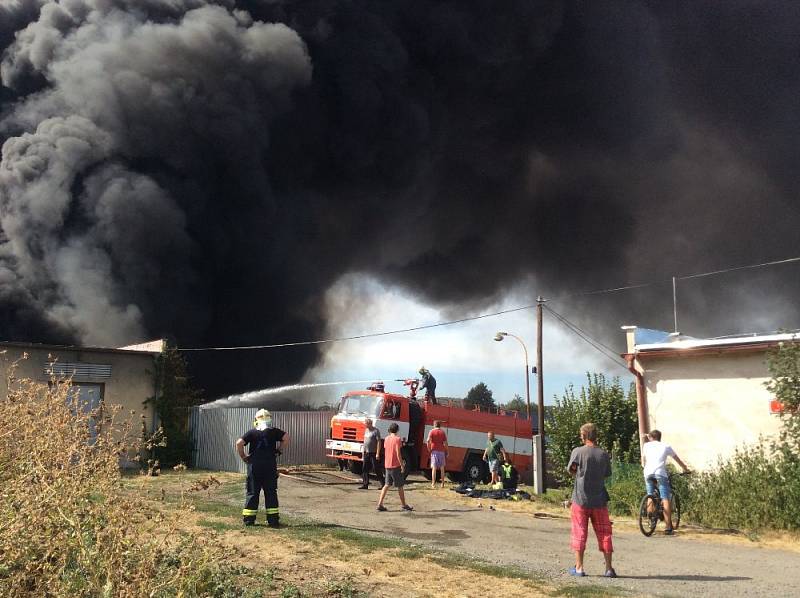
<point x="466" y="430"/>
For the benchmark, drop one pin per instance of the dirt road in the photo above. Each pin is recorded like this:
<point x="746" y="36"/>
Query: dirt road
<point x="660" y="566"/>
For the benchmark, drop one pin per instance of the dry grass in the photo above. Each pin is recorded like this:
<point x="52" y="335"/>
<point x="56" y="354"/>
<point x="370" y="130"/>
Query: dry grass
<point x="316" y="555"/>
<point x="69" y="527"/>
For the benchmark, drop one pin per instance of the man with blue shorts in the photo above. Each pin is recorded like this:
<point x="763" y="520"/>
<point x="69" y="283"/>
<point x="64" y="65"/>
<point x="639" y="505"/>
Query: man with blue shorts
<point x="494" y="455"/>
<point x="654" y="460"/>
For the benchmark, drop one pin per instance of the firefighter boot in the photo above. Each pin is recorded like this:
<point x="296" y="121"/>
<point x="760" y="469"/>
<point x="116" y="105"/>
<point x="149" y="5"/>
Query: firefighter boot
<point x="249" y="516"/>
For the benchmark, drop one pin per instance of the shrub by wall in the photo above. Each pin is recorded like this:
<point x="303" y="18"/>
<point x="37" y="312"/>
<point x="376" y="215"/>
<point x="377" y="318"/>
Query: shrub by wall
<point x="602" y="402"/>
<point x="754" y="489"/>
<point x="67" y="526"/>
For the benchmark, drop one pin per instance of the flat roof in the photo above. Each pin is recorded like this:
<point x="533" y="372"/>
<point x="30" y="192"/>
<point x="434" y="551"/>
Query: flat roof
<point x="48" y="347"/>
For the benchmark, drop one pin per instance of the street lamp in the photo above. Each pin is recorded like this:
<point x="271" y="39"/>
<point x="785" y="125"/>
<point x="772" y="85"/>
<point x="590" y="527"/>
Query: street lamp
<point x="499" y="337"/>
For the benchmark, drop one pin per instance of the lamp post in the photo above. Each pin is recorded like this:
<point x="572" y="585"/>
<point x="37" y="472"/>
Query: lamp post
<point x="499" y="337"/>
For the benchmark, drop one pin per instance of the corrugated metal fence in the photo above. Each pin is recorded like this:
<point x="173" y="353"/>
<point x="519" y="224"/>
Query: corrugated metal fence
<point x="214" y="432"/>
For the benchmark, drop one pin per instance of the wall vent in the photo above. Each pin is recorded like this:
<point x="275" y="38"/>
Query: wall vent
<point x="77" y="370"/>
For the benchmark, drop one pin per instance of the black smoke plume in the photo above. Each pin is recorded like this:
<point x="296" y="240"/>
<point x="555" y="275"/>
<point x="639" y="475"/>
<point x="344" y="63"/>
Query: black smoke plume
<point x="206" y="170"/>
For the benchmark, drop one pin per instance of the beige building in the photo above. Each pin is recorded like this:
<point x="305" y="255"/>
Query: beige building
<point x="707" y="396"/>
<point x="121" y="376"/>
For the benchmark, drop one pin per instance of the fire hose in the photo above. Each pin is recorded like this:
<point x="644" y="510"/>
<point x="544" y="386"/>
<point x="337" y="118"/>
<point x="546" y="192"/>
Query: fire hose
<point x="307" y="475"/>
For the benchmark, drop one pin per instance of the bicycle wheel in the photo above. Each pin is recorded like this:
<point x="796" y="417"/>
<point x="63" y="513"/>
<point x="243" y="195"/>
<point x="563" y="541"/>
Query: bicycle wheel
<point x="676" y="511"/>
<point x="647" y="521"/>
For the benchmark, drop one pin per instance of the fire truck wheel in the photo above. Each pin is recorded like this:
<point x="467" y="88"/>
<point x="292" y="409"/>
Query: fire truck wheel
<point x="355" y="467"/>
<point x="476" y="470"/>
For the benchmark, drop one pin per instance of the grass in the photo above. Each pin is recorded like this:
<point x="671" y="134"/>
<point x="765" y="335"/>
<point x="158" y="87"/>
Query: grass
<point x="219" y="510"/>
<point x="581" y="591"/>
<point x="291" y="591"/>
<point x="344" y="588"/>
<point x="216" y="525"/>
<point x="315" y="532"/>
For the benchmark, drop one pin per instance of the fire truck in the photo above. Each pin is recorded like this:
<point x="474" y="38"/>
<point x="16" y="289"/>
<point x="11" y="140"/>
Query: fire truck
<point x="466" y="432"/>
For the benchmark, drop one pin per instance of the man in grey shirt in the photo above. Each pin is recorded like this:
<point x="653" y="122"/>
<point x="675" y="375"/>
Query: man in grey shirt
<point x="370" y="453"/>
<point x="590" y="465"/>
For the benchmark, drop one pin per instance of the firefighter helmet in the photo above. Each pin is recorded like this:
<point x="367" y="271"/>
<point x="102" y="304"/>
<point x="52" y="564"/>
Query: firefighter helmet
<point x="263" y="419"/>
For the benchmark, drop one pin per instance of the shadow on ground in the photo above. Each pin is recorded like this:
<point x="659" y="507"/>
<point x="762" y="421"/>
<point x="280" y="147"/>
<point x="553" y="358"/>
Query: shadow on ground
<point x="714" y="578"/>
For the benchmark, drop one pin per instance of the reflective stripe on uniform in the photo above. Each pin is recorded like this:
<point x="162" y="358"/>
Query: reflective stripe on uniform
<point x="272" y="511"/>
<point x="249" y="512"/>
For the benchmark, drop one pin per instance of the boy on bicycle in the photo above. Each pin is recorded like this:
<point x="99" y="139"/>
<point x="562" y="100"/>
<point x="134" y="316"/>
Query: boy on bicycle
<point x="654" y="461"/>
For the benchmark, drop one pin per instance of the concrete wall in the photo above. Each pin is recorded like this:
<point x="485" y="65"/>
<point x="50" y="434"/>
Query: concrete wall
<point x="130" y="383"/>
<point x="708" y="405"/>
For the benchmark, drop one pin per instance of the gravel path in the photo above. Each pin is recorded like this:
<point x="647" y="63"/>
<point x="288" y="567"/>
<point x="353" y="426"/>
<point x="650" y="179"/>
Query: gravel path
<point x="659" y="566"/>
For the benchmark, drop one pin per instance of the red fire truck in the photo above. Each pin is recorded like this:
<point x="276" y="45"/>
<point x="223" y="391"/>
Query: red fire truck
<point x="466" y="432"/>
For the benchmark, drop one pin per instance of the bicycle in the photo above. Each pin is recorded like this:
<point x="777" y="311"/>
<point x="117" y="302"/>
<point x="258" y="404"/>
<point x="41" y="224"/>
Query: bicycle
<point x="648" y="519"/>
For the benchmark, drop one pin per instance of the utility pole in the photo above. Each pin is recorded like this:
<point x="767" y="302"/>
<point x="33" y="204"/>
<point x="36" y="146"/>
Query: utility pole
<point x="540" y="390"/>
<point x="675" y="304"/>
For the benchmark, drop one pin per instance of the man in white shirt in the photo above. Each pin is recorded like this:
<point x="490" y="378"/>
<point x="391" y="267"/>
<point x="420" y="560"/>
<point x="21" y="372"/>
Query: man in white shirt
<point x="654" y="460"/>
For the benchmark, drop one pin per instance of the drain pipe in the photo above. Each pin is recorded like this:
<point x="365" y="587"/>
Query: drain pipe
<point x="641" y="397"/>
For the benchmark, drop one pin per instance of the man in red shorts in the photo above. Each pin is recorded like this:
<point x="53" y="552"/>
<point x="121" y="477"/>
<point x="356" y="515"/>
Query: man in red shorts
<point x="590" y="465"/>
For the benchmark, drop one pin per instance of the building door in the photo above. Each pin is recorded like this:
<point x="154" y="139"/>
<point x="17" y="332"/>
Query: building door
<point x="88" y="397"/>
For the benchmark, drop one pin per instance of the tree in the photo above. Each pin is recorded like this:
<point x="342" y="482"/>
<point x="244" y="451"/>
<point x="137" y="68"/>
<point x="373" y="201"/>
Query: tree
<point x="606" y="405"/>
<point x="172" y="401"/>
<point x="784" y="367"/>
<point x="520" y="405"/>
<point x="480" y="396"/>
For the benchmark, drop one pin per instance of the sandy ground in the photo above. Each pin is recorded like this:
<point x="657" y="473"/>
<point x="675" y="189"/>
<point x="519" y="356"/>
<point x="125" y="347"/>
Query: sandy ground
<point x="685" y="564"/>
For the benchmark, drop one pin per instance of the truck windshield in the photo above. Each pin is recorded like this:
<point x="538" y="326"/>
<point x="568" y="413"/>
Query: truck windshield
<point x="368" y="405"/>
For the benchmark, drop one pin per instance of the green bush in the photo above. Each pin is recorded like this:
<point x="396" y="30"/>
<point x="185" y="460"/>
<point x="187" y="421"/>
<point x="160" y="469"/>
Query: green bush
<point x="625" y="488"/>
<point x="754" y="489"/>
<point x="606" y="405"/>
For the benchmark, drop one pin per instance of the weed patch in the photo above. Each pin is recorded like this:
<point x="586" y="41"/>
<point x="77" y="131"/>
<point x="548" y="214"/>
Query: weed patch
<point x="587" y="591"/>
<point x="71" y="524"/>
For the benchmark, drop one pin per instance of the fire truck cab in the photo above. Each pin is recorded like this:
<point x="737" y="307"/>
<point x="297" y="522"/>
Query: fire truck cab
<point x="466" y="432"/>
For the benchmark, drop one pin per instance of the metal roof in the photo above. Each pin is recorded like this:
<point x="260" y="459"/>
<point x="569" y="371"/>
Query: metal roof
<point x="47" y="347"/>
<point x="735" y="342"/>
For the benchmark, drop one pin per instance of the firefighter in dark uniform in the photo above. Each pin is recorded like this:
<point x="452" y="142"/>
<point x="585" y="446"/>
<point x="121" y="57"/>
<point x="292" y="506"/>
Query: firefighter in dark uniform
<point x="428" y="384"/>
<point x="264" y="444"/>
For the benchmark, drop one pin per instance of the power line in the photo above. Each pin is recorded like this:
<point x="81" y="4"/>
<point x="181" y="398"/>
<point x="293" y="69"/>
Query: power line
<point x="603" y="349"/>
<point x="684" y="277"/>
<point x="362" y="336"/>
<point x="614" y="290"/>
<point x="737" y="268"/>
<point x="488" y="315"/>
